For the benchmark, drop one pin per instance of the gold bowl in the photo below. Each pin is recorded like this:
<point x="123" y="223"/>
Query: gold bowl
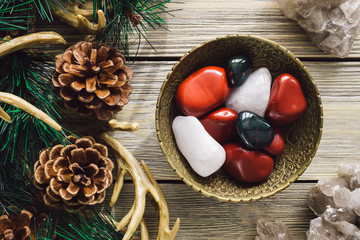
<point x="302" y="137"/>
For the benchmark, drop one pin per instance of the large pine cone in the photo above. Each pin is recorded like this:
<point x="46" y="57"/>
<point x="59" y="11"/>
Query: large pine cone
<point x="74" y="175"/>
<point x="93" y="79"/>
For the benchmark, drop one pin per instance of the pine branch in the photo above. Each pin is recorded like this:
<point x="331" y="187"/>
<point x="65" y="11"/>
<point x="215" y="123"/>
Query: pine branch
<point x="15" y="16"/>
<point x="90" y="225"/>
<point x="26" y="135"/>
<point x="130" y="18"/>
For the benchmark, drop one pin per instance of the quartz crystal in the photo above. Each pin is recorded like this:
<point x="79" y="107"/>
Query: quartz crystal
<point x="203" y="153"/>
<point x="331" y="24"/>
<point x="336" y="202"/>
<point x="276" y="230"/>
<point x="253" y="95"/>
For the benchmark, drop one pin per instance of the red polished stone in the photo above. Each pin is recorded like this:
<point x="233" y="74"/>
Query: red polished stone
<point x="277" y="146"/>
<point x="202" y="91"/>
<point x="221" y="125"/>
<point x="287" y="102"/>
<point x="247" y="165"/>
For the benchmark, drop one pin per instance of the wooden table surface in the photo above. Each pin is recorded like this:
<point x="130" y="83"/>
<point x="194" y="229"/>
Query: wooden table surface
<point x="338" y="81"/>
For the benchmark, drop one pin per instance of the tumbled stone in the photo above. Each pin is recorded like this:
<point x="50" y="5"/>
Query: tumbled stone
<point x="221" y="125"/>
<point x="254" y="130"/>
<point x="287" y="101"/>
<point x="202" y="91"/>
<point x="238" y="70"/>
<point x="277" y="146"/>
<point x="276" y="230"/>
<point x="331" y="24"/>
<point x="247" y="165"/>
<point x="203" y="153"/>
<point x="253" y="95"/>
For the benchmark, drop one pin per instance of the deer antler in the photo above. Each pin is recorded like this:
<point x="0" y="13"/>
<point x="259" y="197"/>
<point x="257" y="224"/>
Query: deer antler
<point x="78" y="17"/>
<point x="27" y="107"/>
<point x="29" y="41"/>
<point x="144" y="183"/>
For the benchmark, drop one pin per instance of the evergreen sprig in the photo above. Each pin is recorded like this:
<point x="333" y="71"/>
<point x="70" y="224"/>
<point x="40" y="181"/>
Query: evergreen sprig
<point x="21" y="140"/>
<point x="89" y="225"/>
<point x="130" y="17"/>
<point x="15" y="15"/>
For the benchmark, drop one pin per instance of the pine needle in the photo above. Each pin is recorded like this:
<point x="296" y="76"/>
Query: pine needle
<point x="130" y="18"/>
<point x="26" y="135"/>
<point x="89" y="225"/>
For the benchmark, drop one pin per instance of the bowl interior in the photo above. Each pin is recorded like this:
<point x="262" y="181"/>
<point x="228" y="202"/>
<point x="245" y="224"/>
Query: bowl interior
<point x="302" y="137"/>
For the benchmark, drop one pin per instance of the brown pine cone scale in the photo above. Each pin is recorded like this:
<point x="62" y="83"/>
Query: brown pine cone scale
<point x="74" y="175"/>
<point x="93" y="79"/>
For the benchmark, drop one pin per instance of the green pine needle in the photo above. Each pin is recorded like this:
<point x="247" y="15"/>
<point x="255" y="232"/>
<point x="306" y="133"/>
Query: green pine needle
<point x="21" y="140"/>
<point x="15" y="15"/>
<point x="130" y="17"/>
<point x="89" y="225"/>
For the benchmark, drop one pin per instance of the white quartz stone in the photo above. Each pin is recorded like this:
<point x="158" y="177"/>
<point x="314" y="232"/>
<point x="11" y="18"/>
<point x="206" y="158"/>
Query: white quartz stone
<point x="203" y="153"/>
<point x="253" y="95"/>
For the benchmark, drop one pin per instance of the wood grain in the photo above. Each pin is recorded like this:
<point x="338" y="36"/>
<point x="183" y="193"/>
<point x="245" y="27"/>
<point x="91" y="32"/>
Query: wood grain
<point x="196" y="21"/>
<point x="209" y="219"/>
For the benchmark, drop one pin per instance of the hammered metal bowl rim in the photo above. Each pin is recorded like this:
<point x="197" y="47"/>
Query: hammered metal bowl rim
<point x="255" y="197"/>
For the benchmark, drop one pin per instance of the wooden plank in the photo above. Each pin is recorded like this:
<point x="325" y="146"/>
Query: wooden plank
<point x="339" y="86"/>
<point x="206" y="218"/>
<point x="202" y="20"/>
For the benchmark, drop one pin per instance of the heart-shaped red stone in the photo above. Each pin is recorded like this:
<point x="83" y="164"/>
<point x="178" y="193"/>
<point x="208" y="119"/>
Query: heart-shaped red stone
<point x="202" y="91"/>
<point x="221" y="125"/>
<point x="247" y="165"/>
<point x="287" y="102"/>
<point x="277" y="146"/>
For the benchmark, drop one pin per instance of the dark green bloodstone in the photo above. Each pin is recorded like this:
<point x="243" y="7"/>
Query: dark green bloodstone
<point x="254" y="130"/>
<point x="237" y="70"/>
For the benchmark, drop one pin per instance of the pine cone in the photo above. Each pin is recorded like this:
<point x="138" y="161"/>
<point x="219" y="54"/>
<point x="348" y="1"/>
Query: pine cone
<point x="13" y="227"/>
<point x="93" y="79"/>
<point x="74" y="175"/>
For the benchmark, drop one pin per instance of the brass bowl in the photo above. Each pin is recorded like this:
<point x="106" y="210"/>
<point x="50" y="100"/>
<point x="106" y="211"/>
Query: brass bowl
<point x="302" y="137"/>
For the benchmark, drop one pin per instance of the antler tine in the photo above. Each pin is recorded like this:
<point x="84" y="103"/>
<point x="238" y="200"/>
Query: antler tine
<point x="4" y="115"/>
<point x="144" y="231"/>
<point x="144" y="183"/>
<point x="29" y="41"/>
<point x="77" y="18"/>
<point x="29" y="108"/>
<point x="164" y="231"/>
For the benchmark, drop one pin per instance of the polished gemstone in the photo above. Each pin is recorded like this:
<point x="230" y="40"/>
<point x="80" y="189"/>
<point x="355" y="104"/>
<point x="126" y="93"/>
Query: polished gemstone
<point x="221" y="125"/>
<point x="203" y="153"/>
<point x="277" y="146"/>
<point x="238" y="69"/>
<point x="202" y="91"/>
<point x="254" y="130"/>
<point x="247" y="165"/>
<point x="253" y="95"/>
<point x="287" y="101"/>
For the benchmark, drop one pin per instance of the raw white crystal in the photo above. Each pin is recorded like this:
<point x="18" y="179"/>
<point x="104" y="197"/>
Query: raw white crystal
<point x="331" y="24"/>
<point x="337" y="205"/>
<point x="276" y="230"/>
<point x="253" y="95"/>
<point x="328" y="186"/>
<point x="203" y="153"/>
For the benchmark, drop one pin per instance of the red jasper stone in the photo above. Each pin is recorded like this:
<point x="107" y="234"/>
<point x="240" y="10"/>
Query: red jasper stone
<point x="247" y="165"/>
<point x="202" y="91"/>
<point x="221" y="125"/>
<point x="287" y="102"/>
<point x="277" y="146"/>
